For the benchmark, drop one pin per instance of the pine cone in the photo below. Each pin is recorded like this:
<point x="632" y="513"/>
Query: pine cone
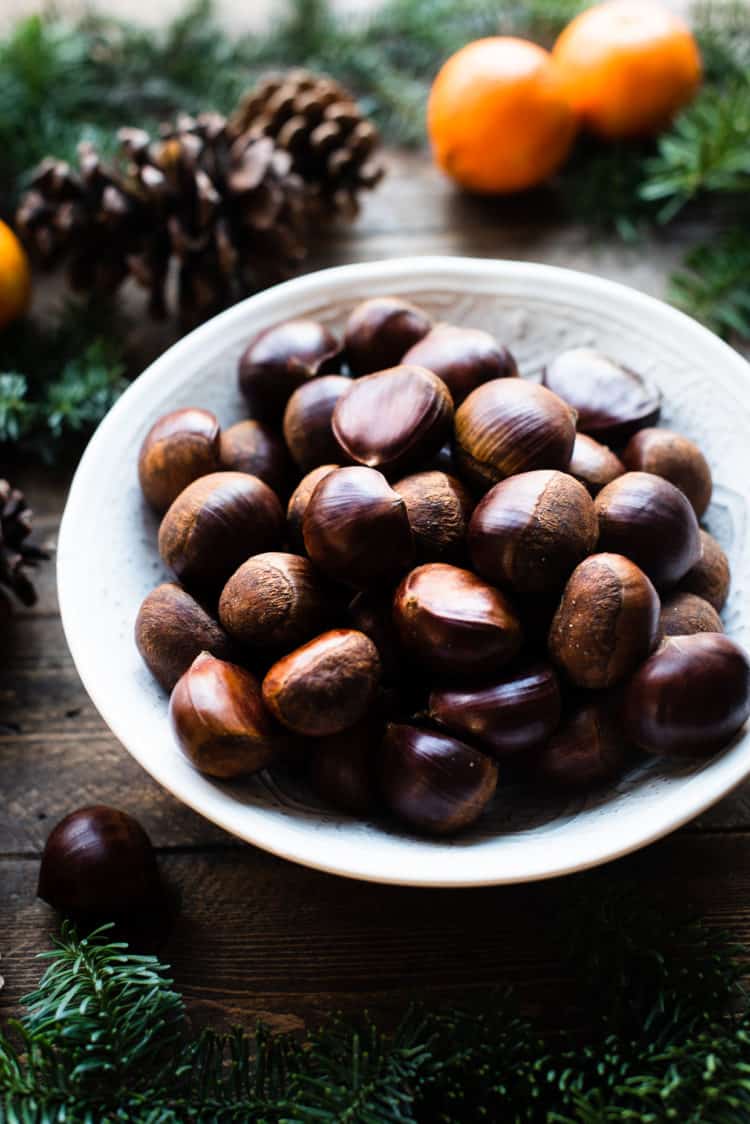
<point x="318" y="122"/>
<point x="228" y="209"/>
<point x="88" y="216"/>
<point x="15" y="552"/>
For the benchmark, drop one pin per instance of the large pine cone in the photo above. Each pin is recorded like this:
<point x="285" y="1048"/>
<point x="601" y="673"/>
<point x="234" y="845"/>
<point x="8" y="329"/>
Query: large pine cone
<point x="316" y="120"/>
<point x="16" y="553"/>
<point x="228" y="209"/>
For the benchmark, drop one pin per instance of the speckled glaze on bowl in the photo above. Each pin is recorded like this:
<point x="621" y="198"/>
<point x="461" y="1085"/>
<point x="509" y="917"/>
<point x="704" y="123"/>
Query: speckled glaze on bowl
<point x="108" y="561"/>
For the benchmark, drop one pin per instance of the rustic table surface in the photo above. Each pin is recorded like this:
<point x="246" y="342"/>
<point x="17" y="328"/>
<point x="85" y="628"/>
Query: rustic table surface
<point x="260" y="936"/>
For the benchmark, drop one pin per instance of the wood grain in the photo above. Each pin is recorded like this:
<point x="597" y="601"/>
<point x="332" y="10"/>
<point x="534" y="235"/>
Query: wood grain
<point x="258" y="936"/>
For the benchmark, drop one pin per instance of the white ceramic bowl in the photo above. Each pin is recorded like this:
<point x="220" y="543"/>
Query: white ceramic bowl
<point x="108" y="561"/>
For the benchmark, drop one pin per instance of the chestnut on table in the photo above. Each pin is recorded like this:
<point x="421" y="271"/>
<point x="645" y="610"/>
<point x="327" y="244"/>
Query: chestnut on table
<point x="478" y="577"/>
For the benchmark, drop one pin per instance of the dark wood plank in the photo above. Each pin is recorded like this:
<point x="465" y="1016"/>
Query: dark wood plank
<point x="259" y="937"/>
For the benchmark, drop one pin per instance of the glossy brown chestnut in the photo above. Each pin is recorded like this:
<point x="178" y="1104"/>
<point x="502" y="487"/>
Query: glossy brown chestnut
<point x="606" y="622"/>
<point x="593" y="464"/>
<point x="171" y="629"/>
<point x="511" y="714"/>
<point x="179" y="447"/>
<point x="691" y="697"/>
<point x="380" y="330"/>
<point x="439" y="507"/>
<point x="650" y="521"/>
<point x="587" y="750"/>
<point x="356" y="528"/>
<point x="344" y="767"/>
<point x="611" y="401"/>
<point x="675" y="458"/>
<point x="307" y="421"/>
<point x="99" y="861"/>
<point x="280" y="359"/>
<point x="325" y="686"/>
<point x="298" y="502"/>
<point x="219" y="719"/>
<point x="709" y="577"/>
<point x="463" y="358"/>
<point x="454" y="623"/>
<point x="215" y="524"/>
<point x="394" y="420"/>
<point x="250" y="446"/>
<point x="530" y="531"/>
<point x="684" y="614"/>
<point x="371" y="612"/>
<point x="275" y="601"/>
<point x="433" y="782"/>
<point x="510" y="426"/>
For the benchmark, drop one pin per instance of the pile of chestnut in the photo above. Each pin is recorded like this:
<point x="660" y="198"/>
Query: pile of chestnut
<point x="477" y="577"/>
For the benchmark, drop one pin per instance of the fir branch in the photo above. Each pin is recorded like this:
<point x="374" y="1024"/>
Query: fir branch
<point x="105" y="1040"/>
<point x="58" y="381"/>
<point x="707" y="150"/>
<point x="714" y="284"/>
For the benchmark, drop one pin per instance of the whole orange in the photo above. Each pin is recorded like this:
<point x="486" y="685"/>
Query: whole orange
<point x="497" y="117"/>
<point x="628" y="66"/>
<point x="15" y="278"/>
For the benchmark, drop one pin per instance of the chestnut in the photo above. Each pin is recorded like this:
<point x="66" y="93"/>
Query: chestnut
<point x="326" y="685"/>
<point x="439" y="508"/>
<point x="356" y="528"/>
<point x="606" y="623"/>
<point x="593" y="464"/>
<point x="179" y="447"/>
<point x="171" y="629"/>
<point x="371" y="612"/>
<point x="463" y="358"/>
<point x="344" y="767"/>
<point x="298" y="502"/>
<point x="99" y="862"/>
<point x="530" y="531"/>
<point x="250" y="446"/>
<point x="380" y="330"/>
<point x="512" y="714"/>
<point x="219" y="720"/>
<point x="434" y="782"/>
<point x="394" y="420"/>
<point x="215" y="524"/>
<point x="709" y="577"/>
<point x="281" y="358"/>
<point x="275" y="601"/>
<point x="650" y="521"/>
<point x="454" y="623"/>
<point x="674" y="457"/>
<point x="684" y="613"/>
<point x="509" y="426"/>
<point x="611" y="401"/>
<point x="587" y="749"/>
<point x="691" y="697"/>
<point x="307" y="421"/>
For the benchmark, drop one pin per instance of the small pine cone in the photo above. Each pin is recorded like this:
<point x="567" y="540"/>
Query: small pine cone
<point x="87" y="216"/>
<point x="16" y="553"/>
<point x="317" y="121"/>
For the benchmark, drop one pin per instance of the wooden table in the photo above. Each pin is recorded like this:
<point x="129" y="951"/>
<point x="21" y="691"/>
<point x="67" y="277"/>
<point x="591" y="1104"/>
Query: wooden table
<point x="259" y="936"/>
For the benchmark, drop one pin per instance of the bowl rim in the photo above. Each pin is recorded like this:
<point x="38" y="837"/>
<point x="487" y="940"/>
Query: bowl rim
<point x="436" y="271"/>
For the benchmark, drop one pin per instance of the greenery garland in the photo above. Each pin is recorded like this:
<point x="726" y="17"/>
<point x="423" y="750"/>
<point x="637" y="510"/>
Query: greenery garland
<point x="664" y="1034"/>
<point x="61" y="82"/>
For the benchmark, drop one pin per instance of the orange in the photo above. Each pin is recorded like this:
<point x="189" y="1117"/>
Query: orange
<point x="15" y="278"/>
<point x="497" y="117"/>
<point x="628" y="66"/>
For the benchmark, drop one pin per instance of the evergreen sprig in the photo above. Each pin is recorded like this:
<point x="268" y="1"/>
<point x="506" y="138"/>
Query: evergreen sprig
<point x="663" y="1034"/>
<point x="58" y="382"/>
